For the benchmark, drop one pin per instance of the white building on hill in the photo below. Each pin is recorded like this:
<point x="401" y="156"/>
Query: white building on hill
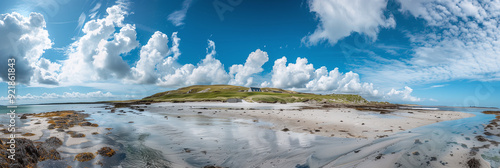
<point x="254" y="89"/>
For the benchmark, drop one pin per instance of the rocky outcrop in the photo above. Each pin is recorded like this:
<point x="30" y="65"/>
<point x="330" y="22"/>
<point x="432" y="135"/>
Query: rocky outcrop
<point x="83" y="157"/>
<point x="106" y="151"/>
<point x="29" y="153"/>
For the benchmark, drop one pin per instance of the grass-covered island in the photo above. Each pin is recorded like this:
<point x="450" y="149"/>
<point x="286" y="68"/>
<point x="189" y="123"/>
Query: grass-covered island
<point x="223" y="93"/>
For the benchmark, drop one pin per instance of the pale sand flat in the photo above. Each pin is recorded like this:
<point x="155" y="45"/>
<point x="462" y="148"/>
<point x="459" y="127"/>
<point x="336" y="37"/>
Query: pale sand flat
<point x="337" y="122"/>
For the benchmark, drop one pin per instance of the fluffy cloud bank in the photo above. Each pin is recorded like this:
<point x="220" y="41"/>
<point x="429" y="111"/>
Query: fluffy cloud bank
<point x="97" y="55"/>
<point x="398" y="95"/>
<point x="302" y="76"/>
<point x="338" y="19"/>
<point x="65" y="95"/>
<point x="25" y="39"/>
<point x="243" y="73"/>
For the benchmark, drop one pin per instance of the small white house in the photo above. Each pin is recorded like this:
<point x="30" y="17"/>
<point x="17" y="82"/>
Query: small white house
<point x="254" y="89"/>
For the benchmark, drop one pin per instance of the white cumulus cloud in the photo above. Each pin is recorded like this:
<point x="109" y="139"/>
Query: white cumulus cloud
<point x="243" y="73"/>
<point x="340" y="83"/>
<point x="293" y="75"/>
<point x="404" y="95"/>
<point x="46" y="72"/>
<point x="97" y="55"/>
<point x="209" y="71"/>
<point x="302" y="76"/>
<point x="151" y="55"/>
<point x="338" y="19"/>
<point x="26" y="39"/>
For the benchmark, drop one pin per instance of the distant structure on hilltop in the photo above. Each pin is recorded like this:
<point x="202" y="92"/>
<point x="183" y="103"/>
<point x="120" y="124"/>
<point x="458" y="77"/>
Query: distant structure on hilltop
<point x="254" y="89"/>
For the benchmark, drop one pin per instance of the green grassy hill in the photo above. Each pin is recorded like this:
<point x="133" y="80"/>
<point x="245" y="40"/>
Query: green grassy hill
<point x="268" y="95"/>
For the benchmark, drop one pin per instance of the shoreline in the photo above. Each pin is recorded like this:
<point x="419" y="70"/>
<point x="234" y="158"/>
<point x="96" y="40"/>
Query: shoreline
<point x="340" y="122"/>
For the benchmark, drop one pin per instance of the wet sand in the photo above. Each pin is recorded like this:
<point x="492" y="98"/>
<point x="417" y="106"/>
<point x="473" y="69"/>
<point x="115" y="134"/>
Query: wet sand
<point x="37" y="125"/>
<point x="305" y="118"/>
<point x="253" y="135"/>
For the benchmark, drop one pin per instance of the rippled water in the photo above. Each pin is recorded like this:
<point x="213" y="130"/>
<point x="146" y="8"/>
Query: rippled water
<point x="448" y="141"/>
<point x="195" y="141"/>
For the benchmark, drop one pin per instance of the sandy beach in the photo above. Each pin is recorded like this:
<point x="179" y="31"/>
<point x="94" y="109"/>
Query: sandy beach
<point x="197" y="134"/>
<point x="314" y="119"/>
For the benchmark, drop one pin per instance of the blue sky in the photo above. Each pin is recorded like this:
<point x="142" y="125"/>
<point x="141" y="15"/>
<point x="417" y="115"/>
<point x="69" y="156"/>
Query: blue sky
<point x="426" y="52"/>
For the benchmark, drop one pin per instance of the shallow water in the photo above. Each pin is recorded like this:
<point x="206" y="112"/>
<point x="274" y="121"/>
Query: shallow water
<point x="438" y="140"/>
<point x="196" y="140"/>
